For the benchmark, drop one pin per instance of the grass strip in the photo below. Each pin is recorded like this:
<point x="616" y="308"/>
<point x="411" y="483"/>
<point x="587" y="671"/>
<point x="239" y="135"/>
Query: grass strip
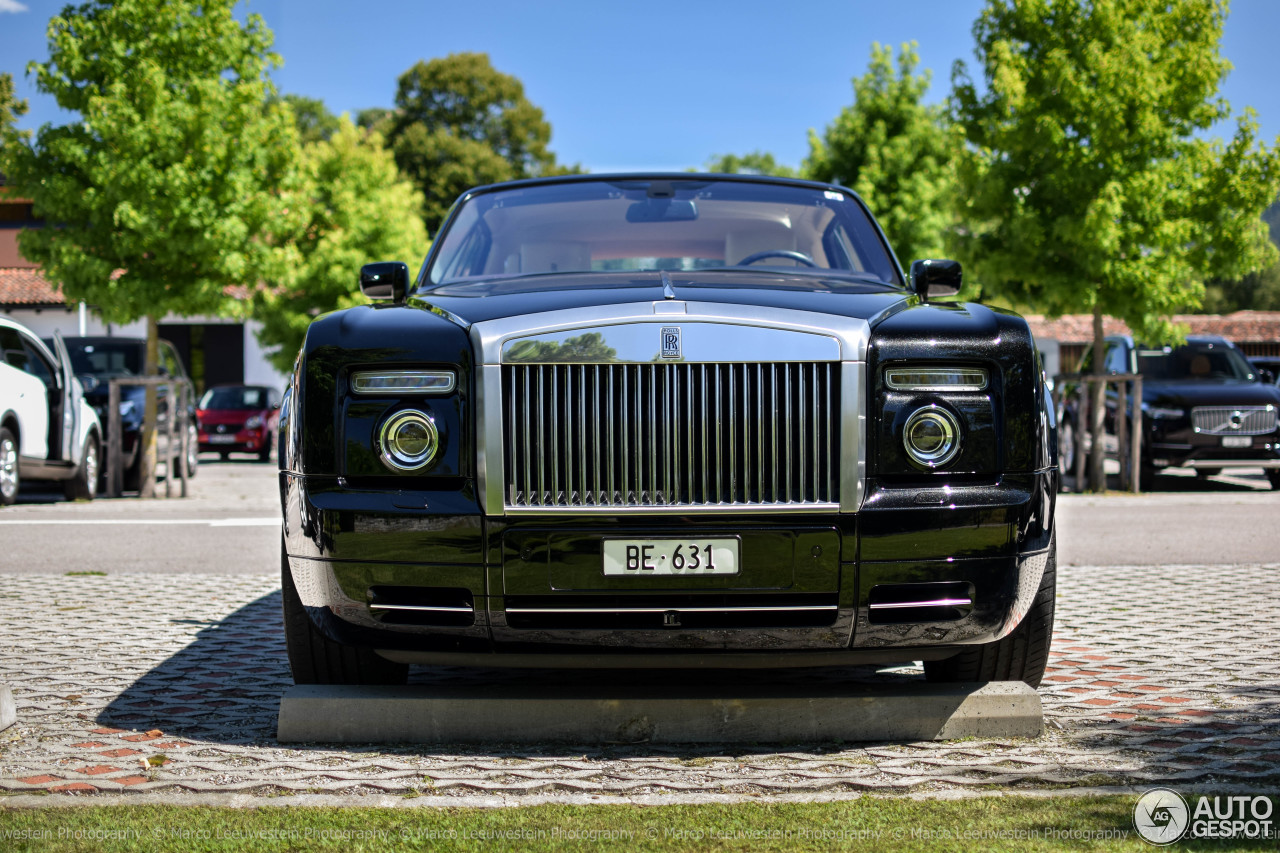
<point x="868" y="823"/>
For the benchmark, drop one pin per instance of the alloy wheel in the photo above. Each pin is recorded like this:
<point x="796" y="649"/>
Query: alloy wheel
<point x="8" y="468"/>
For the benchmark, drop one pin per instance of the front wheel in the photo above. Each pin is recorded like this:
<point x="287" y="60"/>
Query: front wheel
<point x="1274" y="476"/>
<point x="83" y="486"/>
<point x="193" y="451"/>
<point x="9" y="476"/>
<point x="1020" y="656"/>
<point x="315" y="659"/>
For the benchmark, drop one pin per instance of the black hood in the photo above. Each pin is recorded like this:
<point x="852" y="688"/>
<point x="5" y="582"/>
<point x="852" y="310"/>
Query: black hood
<point x="1200" y="392"/>
<point x="509" y="297"/>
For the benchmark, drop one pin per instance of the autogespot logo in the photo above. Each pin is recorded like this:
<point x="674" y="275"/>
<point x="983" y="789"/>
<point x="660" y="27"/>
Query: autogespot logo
<point x="1161" y="816"/>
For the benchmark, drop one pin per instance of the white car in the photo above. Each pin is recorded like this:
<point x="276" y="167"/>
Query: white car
<point x="47" y="430"/>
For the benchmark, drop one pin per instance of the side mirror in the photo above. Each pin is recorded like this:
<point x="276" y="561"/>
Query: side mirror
<point x="386" y="281"/>
<point x="935" y="278"/>
<point x="1266" y="377"/>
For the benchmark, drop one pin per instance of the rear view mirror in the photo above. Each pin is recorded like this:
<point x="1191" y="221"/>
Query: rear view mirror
<point x="935" y="278"/>
<point x="662" y="210"/>
<point x="384" y="281"/>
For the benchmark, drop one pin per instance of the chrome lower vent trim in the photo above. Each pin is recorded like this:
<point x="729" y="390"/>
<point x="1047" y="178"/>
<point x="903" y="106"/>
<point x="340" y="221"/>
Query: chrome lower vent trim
<point x="698" y="437"/>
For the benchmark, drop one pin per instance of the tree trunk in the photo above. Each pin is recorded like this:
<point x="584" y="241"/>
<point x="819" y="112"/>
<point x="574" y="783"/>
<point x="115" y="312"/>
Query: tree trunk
<point x="147" y="452"/>
<point x="1097" y="407"/>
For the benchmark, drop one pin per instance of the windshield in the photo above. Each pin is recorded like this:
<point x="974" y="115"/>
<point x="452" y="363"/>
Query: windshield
<point x="647" y="225"/>
<point x="1195" y="361"/>
<point x="99" y="358"/>
<point x="234" y="398"/>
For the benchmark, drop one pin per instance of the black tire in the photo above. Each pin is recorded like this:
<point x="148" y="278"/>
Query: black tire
<point x="1146" y="471"/>
<point x="83" y="486"/>
<point x="193" y="451"/>
<point x="1020" y="656"/>
<point x="1067" y="447"/>
<point x="224" y="455"/>
<point x="315" y="659"/>
<point x="264" y="455"/>
<point x="1274" y="476"/>
<point x="10" y="475"/>
<point x="132" y="479"/>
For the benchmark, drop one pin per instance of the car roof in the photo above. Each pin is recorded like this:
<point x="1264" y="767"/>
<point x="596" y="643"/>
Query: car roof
<point x="659" y="176"/>
<point x="14" y="324"/>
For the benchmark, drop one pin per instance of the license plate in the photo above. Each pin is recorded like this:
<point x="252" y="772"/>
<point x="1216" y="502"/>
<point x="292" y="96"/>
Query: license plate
<point x="645" y="557"/>
<point x="222" y="439"/>
<point x="1236" y="441"/>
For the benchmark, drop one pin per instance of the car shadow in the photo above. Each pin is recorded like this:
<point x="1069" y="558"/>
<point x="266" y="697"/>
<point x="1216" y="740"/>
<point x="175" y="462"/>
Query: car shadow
<point x="225" y="686"/>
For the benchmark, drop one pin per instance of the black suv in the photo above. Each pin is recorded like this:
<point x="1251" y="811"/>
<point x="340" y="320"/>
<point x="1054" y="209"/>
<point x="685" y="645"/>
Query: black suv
<point x="96" y="360"/>
<point x="1204" y="406"/>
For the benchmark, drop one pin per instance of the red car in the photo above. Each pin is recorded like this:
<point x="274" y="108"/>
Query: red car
<point x="240" y="418"/>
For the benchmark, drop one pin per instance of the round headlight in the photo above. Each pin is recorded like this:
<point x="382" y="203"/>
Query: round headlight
<point x="932" y="436"/>
<point x="409" y="440"/>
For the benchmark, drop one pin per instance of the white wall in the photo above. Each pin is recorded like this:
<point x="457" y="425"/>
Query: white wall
<point x="45" y="321"/>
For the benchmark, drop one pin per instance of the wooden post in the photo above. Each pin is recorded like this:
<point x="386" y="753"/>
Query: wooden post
<point x="1135" y="443"/>
<point x="1122" y="434"/>
<point x="115" y="476"/>
<point x="168" y="430"/>
<point x="185" y="442"/>
<point x="1081" y="418"/>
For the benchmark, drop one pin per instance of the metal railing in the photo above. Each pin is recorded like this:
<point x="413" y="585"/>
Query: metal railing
<point x="1129" y="442"/>
<point x="181" y="395"/>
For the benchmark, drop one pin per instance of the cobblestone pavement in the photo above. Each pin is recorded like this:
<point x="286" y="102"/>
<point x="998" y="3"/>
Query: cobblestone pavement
<point x="171" y="684"/>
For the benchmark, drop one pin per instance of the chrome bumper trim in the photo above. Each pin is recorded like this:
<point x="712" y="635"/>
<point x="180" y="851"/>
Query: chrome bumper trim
<point x="1232" y="463"/>
<point x="941" y="602"/>
<point x="534" y="610"/>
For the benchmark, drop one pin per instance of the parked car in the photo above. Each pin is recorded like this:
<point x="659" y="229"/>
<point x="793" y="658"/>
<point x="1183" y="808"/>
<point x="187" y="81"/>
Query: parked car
<point x="47" y="430"/>
<point x="96" y="360"/>
<point x="238" y="418"/>
<point x="1268" y="368"/>
<point x="667" y="420"/>
<point x="1204" y="407"/>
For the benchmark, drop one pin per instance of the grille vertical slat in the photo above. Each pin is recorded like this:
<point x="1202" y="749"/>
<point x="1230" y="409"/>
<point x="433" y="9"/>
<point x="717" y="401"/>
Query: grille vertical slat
<point x="733" y="438"/>
<point x="677" y="435"/>
<point x="804" y="432"/>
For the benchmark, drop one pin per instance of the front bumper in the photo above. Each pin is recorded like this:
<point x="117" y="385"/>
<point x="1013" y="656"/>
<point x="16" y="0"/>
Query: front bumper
<point x="1182" y="448"/>
<point x="426" y="577"/>
<point x="242" y="441"/>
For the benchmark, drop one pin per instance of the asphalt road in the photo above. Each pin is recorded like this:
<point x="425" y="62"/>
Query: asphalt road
<point x="230" y="523"/>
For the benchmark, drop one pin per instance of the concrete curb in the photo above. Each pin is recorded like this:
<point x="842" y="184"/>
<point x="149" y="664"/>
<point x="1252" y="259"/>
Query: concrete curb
<point x="509" y="714"/>
<point x="8" y="711"/>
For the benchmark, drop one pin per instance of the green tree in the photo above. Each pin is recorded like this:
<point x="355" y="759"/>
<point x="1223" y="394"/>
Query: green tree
<point x="11" y="107"/>
<point x="359" y="209"/>
<point x="458" y="123"/>
<point x="168" y="187"/>
<point x="894" y="151"/>
<point x="1084" y="185"/>
<point x="312" y="118"/>
<point x="755" y="163"/>
<point x="1257" y="291"/>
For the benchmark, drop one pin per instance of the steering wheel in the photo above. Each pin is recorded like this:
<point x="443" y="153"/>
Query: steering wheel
<point x="798" y="257"/>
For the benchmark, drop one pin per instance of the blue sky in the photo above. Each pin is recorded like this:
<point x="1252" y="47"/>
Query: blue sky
<point x="653" y="85"/>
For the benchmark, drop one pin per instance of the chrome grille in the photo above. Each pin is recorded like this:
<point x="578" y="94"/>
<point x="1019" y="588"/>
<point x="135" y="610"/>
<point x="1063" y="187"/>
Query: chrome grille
<point x="1234" y="420"/>
<point x="731" y="436"/>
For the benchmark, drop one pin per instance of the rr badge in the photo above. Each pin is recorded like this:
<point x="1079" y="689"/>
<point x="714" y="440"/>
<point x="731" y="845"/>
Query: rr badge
<point x="671" y="342"/>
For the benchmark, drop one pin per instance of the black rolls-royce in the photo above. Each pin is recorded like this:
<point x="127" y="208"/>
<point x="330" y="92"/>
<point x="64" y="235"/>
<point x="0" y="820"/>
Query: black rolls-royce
<point x="666" y="420"/>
